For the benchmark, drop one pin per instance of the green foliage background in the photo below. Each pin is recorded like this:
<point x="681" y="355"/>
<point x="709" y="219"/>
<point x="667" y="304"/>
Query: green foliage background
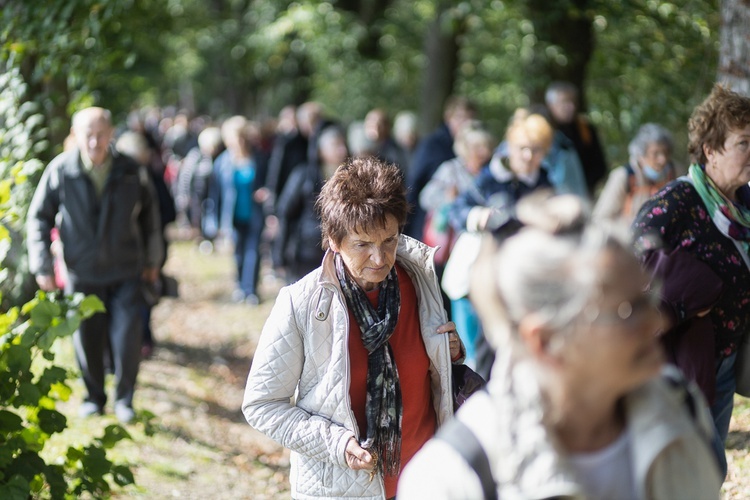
<point x="652" y="60"/>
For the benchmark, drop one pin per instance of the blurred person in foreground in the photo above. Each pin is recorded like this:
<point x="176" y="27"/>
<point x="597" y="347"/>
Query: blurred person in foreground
<point x="106" y="210"/>
<point x="650" y="168"/>
<point x="580" y="404"/>
<point x="353" y="368"/>
<point x="694" y="237"/>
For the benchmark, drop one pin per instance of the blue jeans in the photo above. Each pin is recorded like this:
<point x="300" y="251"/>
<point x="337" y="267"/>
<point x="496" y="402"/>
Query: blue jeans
<point x="247" y="255"/>
<point x="721" y="410"/>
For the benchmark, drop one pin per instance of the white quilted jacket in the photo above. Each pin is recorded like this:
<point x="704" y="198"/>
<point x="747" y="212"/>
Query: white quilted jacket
<point x="297" y="391"/>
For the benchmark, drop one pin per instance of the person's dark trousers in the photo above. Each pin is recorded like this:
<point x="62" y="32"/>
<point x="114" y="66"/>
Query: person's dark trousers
<point x="247" y="255"/>
<point x="122" y="326"/>
<point x="148" y="334"/>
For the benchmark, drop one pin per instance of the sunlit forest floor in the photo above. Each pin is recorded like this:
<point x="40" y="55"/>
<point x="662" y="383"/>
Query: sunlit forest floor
<point x="198" y="444"/>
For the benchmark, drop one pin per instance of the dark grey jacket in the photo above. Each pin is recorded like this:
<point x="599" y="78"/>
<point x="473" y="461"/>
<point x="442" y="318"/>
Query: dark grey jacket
<point x="105" y="240"/>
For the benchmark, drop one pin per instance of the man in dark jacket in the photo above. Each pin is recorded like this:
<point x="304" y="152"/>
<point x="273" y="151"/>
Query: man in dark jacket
<point x="105" y="209"/>
<point x="430" y="153"/>
<point x="562" y="101"/>
<point x="377" y="128"/>
<point x="289" y="150"/>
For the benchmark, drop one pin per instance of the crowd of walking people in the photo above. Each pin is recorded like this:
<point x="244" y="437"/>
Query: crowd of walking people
<point x="564" y="284"/>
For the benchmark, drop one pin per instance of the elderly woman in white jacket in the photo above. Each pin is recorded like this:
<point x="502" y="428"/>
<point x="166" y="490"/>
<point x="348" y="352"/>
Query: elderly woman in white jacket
<point x="579" y="404"/>
<point x="352" y="371"/>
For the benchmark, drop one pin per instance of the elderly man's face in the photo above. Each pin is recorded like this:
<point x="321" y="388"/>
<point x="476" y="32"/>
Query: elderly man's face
<point x="93" y="136"/>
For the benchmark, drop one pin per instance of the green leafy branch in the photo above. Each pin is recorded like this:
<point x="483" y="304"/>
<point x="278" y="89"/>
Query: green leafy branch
<point x="30" y="386"/>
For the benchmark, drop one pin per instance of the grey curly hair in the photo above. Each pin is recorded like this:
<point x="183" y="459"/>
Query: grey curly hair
<point x="649" y="133"/>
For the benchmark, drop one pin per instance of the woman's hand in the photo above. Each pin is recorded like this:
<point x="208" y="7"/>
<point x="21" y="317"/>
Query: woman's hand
<point x="46" y="282"/>
<point x="455" y="341"/>
<point x="357" y="457"/>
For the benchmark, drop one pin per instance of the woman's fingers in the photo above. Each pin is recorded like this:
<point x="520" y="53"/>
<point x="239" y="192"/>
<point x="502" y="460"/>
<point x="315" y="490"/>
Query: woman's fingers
<point x="454" y="340"/>
<point x="447" y="327"/>
<point x="357" y="457"/>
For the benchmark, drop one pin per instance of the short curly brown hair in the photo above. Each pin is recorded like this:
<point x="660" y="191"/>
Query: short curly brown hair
<point x="360" y="194"/>
<point x="722" y="112"/>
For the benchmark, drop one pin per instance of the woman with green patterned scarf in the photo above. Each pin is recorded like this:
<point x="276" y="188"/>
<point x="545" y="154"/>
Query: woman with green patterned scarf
<point x="695" y="236"/>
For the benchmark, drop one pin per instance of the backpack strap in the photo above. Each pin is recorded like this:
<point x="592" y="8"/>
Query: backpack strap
<point x="678" y="382"/>
<point x="689" y="396"/>
<point x="465" y="442"/>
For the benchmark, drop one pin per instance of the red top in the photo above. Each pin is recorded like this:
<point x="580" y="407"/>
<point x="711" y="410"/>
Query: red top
<point x="419" y="422"/>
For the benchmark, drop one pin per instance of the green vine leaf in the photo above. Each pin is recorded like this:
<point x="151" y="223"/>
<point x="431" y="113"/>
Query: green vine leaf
<point x="10" y="422"/>
<point x="51" y="421"/>
<point x="17" y="488"/>
<point x="90" y="306"/>
<point x="113" y="434"/>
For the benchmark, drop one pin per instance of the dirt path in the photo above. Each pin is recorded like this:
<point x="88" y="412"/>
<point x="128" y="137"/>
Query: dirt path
<point x="193" y="385"/>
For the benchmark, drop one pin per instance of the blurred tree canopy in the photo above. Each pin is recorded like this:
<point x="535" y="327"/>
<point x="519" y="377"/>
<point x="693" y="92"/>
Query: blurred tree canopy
<point x="635" y="60"/>
<point x="734" y="57"/>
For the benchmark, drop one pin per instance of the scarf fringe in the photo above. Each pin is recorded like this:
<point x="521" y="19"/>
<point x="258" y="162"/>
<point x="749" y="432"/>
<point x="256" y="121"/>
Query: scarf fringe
<point x="389" y="451"/>
<point x="384" y="406"/>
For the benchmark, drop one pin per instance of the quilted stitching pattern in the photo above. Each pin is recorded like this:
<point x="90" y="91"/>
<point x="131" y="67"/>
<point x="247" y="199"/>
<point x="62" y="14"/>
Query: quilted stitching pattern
<point x="303" y="354"/>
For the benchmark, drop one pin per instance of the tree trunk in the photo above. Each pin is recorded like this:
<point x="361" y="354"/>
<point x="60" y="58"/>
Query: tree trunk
<point x="441" y="49"/>
<point x="567" y="25"/>
<point x="734" y="53"/>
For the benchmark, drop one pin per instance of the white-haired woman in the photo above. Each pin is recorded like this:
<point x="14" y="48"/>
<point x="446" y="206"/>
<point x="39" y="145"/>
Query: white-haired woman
<point x="650" y="168"/>
<point x="578" y="405"/>
<point x="473" y="146"/>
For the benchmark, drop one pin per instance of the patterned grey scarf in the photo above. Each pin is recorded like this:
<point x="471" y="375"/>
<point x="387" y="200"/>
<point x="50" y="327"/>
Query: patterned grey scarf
<point x="383" y="409"/>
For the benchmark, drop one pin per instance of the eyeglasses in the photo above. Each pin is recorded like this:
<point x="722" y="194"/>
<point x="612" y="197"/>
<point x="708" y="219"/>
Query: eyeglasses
<point x="628" y="311"/>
